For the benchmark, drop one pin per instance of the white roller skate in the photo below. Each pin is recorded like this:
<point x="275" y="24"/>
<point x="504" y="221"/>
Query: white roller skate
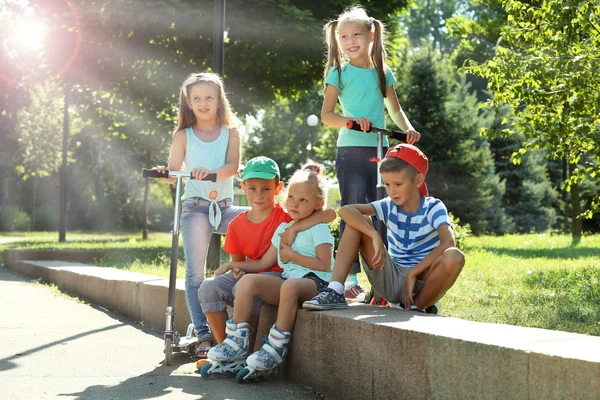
<point x="229" y="357"/>
<point x="265" y="361"/>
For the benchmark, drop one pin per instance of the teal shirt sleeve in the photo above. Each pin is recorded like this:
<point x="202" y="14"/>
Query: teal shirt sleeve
<point x="333" y="78"/>
<point x="322" y="235"/>
<point x="390" y="79"/>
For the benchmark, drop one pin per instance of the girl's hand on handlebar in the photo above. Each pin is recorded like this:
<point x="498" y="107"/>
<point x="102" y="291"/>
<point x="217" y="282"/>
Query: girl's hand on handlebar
<point x="364" y="122"/>
<point x="412" y="136"/>
<point x="162" y="169"/>
<point x="199" y="173"/>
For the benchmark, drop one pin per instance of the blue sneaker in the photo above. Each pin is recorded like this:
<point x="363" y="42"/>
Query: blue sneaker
<point x="328" y="299"/>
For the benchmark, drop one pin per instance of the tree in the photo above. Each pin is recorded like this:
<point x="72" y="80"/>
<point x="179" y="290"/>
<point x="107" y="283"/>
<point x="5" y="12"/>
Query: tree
<point x="39" y="133"/>
<point x="546" y="67"/>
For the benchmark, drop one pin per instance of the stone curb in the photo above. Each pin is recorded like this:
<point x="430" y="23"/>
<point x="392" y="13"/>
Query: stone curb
<point x="370" y="352"/>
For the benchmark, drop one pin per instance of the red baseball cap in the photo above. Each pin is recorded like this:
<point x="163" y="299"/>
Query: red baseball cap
<point x="414" y="157"/>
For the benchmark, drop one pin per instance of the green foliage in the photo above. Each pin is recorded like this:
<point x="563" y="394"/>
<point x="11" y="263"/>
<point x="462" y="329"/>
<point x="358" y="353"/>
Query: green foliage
<point x="46" y="218"/>
<point x="13" y="219"/>
<point x="281" y="133"/>
<point x="461" y="231"/>
<point x="546" y="67"/>
<point x="530" y="198"/>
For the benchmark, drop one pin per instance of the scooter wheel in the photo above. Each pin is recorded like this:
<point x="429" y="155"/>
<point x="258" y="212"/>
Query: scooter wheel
<point x="204" y="370"/>
<point x="239" y="378"/>
<point x="168" y="350"/>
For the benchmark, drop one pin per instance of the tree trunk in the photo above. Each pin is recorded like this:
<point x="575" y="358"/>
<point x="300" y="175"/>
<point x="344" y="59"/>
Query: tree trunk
<point x="575" y="207"/>
<point x="33" y="201"/>
<point x="145" y="205"/>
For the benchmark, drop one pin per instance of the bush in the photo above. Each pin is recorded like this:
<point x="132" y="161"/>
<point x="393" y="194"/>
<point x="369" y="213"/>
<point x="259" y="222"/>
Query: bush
<point x="22" y="221"/>
<point x="13" y="219"/>
<point x="46" y="218"/>
<point x="461" y="232"/>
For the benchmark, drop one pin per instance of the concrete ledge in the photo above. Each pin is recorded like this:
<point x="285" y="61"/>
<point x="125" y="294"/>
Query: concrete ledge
<point x="85" y="256"/>
<point x="370" y="352"/>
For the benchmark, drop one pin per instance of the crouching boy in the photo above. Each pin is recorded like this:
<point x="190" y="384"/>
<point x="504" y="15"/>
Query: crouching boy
<point x="421" y="262"/>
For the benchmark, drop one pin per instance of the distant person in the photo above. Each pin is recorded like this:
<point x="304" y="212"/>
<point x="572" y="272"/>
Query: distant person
<point x="357" y="75"/>
<point x="207" y="140"/>
<point x="306" y="268"/>
<point x="249" y="237"/>
<point x="421" y="262"/>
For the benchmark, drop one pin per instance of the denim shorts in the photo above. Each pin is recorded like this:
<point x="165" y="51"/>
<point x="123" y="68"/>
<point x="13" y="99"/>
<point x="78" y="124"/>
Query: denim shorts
<point x="321" y="284"/>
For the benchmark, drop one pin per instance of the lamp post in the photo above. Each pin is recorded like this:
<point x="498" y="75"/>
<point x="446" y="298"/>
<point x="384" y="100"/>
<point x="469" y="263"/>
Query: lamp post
<point x="213" y="257"/>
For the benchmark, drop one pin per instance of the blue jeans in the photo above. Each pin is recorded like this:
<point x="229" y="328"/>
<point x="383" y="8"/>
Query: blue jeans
<point x="196" y="231"/>
<point x="357" y="176"/>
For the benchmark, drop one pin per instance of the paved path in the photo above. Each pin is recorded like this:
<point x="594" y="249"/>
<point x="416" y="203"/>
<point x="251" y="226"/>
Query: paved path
<point x="54" y="347"/>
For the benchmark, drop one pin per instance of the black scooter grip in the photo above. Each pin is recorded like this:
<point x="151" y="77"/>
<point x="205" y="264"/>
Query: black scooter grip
<point x="351" y="124"/>
<point x="152" y="173"/>
<point x="209" y="177"/>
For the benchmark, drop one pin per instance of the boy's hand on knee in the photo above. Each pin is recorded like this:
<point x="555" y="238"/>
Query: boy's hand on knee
<point x="380" y="253"/>
<point x="409" y="287"/>
<point x="237" y="273"/>
<point x="223" y="269"/>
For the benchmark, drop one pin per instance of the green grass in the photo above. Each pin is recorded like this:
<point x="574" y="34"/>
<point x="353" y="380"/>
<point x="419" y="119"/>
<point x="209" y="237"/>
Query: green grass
<point x="536" y="280"/>
<point x="121" y="250"/>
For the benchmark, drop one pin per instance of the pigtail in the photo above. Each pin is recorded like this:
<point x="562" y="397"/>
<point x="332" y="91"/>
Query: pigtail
<point x="334" y="54"/>
<point x="379" y="55"/>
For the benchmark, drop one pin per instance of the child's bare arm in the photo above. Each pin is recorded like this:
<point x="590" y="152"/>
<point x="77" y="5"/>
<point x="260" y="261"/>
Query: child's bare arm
<point x="446" y="241"/>
<point x="267" y="261"/>
<point x="176" y="155"/>
<point x="238" y="257"/>
<point x="318" y="217"/>
<point x="354" y="215"/>
<point x="322" y="262"/>
<point x="328" y="114"/>
<point x="399" y="117"/>
<point x="232" y="162"/>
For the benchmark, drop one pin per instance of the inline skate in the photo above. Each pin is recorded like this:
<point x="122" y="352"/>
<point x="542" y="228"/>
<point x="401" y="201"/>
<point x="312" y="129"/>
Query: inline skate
<point x="265" y="362"/>
<point x="229" y="357"/>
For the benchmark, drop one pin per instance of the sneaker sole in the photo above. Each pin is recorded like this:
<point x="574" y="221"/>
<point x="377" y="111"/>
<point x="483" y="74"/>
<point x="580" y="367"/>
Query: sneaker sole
<point x="324" y="306"/>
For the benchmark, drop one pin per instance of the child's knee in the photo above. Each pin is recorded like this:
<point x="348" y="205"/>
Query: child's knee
<point x="290" y="289"/>
<point x="454" y="258"/>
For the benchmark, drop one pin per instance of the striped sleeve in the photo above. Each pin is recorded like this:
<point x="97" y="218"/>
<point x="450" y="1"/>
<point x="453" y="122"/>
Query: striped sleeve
<point x="382" y="209"/>
<point x="438" y="214"/>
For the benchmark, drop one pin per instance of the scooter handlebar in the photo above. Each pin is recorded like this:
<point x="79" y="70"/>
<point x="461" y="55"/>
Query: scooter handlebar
<point x="152" y="173"/>
<point x="401" y="136"/>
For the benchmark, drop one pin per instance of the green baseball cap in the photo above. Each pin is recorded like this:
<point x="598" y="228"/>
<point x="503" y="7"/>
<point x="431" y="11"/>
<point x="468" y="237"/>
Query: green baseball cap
<point x="262" y="168"/>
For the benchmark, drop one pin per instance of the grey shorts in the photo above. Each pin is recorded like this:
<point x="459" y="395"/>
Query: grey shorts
<point x="216" y="293"/>
<point x="389" y="282"/>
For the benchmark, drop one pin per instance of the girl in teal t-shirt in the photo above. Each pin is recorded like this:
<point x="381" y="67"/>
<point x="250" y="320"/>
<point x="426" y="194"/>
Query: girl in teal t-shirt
<point x="356" y="74"/>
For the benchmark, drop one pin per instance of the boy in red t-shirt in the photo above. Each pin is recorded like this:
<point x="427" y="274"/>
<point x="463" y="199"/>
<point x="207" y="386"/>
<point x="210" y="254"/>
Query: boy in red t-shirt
<point x="249" y="236"/>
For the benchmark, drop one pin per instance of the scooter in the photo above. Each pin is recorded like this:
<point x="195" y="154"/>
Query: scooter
<point x="173" y="341"/>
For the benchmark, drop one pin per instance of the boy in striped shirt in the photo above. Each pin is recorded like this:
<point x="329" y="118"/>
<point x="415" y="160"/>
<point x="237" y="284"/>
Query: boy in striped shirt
<point x="421" y="262"/>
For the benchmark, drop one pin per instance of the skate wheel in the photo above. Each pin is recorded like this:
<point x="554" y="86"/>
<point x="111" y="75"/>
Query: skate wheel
<point x="204" y="369"/>
<point x="168" y="350"/>
<point x="239" y="378"/>
<point x="201" y="363"/>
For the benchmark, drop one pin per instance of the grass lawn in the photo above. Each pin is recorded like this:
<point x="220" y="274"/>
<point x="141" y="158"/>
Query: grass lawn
<point x="536" y="280"/>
